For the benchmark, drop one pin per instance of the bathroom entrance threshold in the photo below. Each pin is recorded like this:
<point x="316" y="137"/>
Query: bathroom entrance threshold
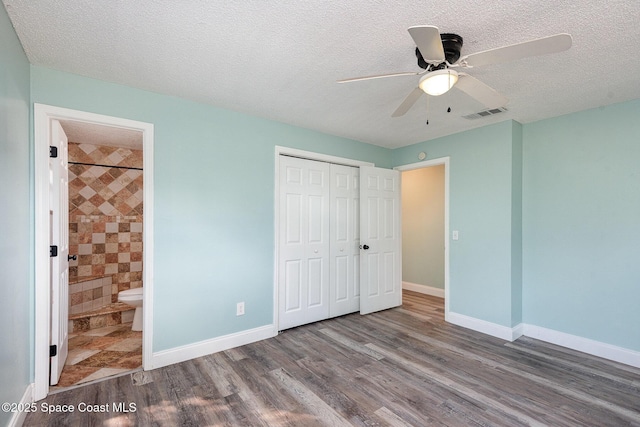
<point x="100" y="353"/>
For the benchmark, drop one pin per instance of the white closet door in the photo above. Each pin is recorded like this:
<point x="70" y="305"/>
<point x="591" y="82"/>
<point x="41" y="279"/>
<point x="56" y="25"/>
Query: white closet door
<point x="345" y="239"/>
<point x="380" y="237"/>
<point x="303" y="269"/>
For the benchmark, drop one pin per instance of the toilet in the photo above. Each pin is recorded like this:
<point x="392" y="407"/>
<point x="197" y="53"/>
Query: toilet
<point x="133" y="297"/>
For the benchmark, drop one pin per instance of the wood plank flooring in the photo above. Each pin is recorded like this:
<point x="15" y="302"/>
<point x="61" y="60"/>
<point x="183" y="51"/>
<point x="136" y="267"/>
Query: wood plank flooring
<point x="400" y="367"/>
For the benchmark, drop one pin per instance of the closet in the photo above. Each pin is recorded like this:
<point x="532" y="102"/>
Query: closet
<point x="319" y="241"/>
<point x="320" y="255"/>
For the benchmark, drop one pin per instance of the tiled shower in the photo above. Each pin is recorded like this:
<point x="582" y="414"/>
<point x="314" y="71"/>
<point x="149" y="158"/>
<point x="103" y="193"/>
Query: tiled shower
<point x="105" y="230"/>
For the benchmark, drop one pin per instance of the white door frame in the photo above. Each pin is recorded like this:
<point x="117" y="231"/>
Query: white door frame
<point x="43" y="115"/>
<point x="310" y="155"/>
<point x="428" y="163"/>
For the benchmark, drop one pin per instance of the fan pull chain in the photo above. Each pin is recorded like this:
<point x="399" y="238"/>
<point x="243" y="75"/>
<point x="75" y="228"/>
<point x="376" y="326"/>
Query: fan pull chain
<point x="428" y="109"/>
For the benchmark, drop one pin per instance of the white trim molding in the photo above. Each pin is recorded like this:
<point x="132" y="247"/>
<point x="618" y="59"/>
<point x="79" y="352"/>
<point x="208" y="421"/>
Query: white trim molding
<point x="423" y="289"/>
<point x="310" y="155"/>
<point x="43" y="117"/>
<point x="574" y="342"/>
<point x="517" y="331"/>
<point x="585" y="345"/>
<point x="18" y="417"/>
<point x="499" y="331"/>
<point x="214" y="345"/>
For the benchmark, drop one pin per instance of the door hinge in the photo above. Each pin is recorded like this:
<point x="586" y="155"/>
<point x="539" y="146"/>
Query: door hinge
<point x="53" y="151"/>
<point x="53" y="251"/>
<point x="53" y="350"/>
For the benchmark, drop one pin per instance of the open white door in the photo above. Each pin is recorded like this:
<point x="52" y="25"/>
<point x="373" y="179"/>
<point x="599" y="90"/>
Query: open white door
<point x="380" y="239"/>
<point x="59" y="203"/>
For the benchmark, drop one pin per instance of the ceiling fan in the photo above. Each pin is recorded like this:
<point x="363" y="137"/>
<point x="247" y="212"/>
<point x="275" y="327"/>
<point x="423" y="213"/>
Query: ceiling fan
<point x="439" y="54"/>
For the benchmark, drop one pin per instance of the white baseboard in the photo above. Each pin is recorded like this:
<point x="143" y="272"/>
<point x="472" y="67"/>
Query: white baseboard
<point x="423" y="289"/>
<point x="517" y="331"/>
<point x="489" y="328"/>
<point x="585" y="345"/>
<point x="202" y="348"/>
<point x="574" y="342"/>
<point x="17" y="419"/>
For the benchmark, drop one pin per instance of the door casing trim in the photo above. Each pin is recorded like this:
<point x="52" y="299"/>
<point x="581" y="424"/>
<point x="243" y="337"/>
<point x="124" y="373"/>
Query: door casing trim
<point x="43" y="115"/>
<point x="436" y="162"/>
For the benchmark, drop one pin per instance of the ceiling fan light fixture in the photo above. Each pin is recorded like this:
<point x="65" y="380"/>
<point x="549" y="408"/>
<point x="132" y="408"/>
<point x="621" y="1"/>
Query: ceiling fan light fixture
<point x="438" y="82"/>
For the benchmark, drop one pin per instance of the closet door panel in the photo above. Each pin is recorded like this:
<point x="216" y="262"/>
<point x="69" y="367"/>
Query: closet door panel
<point x="292" y="286"/>
<point x="303" y="264"/>
<point x="341" y="273"/>
<point x="345" y="232"/>
<point x="293" y="212"/>
<point x="315" y="280"/>
<point x="355" y="232"/>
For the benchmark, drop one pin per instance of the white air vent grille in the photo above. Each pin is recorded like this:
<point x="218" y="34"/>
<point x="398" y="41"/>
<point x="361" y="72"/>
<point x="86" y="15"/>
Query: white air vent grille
<point x="485" y="113"/>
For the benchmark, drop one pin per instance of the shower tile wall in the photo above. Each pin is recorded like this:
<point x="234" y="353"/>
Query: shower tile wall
<point x="105" y="215"/>
<point x="89" y="295"/>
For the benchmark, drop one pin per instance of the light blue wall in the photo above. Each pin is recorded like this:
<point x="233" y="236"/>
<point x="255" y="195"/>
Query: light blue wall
<point x="15" y="228"/>
<point x="214" y="201"/>
<point x="581" y="224"/>
<point x="549" y="220"/>
<point x="481" y="208"/>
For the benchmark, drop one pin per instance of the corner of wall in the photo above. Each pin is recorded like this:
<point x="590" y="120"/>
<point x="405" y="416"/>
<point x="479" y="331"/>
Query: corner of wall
<point x="516" y="222"/>
<point x="489" y="328"/>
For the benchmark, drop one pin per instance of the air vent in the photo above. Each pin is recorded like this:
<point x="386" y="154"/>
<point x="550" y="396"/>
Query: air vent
<point x="485" y="113"/>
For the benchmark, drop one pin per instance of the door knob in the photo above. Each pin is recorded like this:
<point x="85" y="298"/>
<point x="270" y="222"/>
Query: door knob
<point x="72" y="257"/>
<point x="365" y="247"/>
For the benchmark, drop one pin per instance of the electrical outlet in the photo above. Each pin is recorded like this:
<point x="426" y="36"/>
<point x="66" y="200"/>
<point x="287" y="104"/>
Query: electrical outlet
<point x="240" y="309"/>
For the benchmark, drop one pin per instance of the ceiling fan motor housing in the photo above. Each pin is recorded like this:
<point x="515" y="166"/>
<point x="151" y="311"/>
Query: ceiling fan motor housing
<point x="452" y="45"/>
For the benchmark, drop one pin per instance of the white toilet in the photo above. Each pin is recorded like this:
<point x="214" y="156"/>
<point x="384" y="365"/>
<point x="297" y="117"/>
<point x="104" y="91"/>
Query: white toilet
<point x="133" y="297"/>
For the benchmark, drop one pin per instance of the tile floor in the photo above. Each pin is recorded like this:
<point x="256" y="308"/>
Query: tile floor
<point x="99" y="353"/>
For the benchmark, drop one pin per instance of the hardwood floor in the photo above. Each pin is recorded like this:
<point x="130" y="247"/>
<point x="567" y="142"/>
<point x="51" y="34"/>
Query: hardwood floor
<point x="400" y="367"/>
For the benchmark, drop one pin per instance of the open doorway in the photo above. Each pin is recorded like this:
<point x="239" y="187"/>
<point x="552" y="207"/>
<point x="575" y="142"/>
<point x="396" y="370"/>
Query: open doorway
<point x="425" y="224"/>
<point x="105" y="223"/>
<point x="101" y="175"/>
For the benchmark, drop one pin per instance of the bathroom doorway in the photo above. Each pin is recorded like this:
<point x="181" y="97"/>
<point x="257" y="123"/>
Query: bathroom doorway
<point x="105" y="223"/>
<point x="110" y="181"/>
<point x="425" y="223"/>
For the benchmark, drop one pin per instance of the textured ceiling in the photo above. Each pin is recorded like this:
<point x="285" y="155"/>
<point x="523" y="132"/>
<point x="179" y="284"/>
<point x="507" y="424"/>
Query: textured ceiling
<point x="102" y="135"/>
<point x="280" y="60"/>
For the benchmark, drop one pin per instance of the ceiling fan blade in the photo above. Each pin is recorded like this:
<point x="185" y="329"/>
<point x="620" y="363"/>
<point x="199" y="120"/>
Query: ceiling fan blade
<point x="378" y="76"/>
<point x="543" y="46"/>
<point x="479" y="91"/>
<point x="408" y="102"/>
<point x="428" y="40"/>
